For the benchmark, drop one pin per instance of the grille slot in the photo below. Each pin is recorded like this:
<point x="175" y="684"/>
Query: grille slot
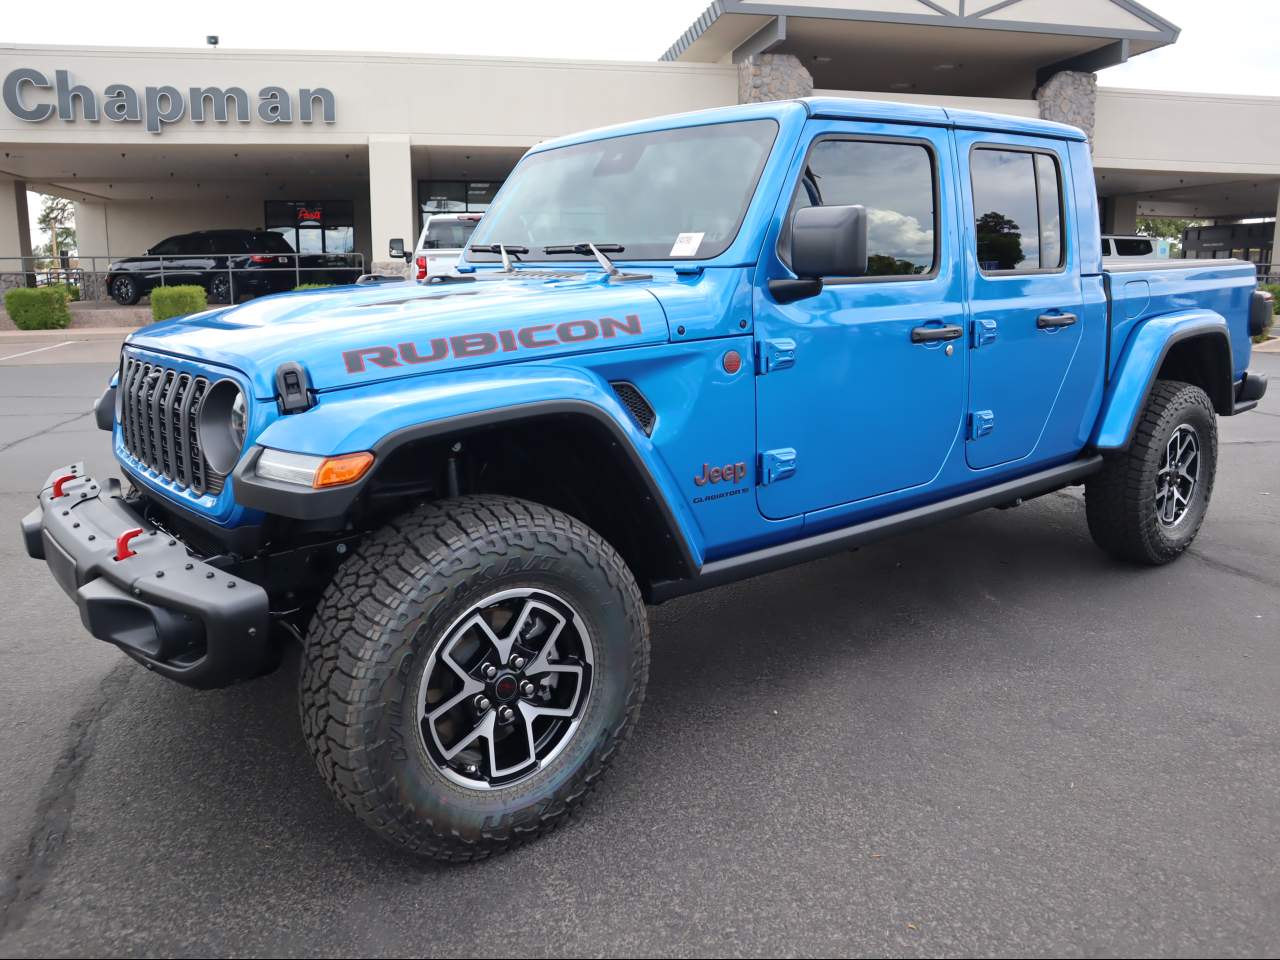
<point x="636" y="405"/>
<point x="159" y="413"/>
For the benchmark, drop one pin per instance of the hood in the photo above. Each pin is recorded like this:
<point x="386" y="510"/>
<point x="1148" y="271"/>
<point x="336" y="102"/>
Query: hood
<point x="361" y="334"/>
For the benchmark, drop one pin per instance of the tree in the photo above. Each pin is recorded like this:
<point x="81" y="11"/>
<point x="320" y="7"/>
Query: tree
<point x="57" y="218"/>
<point x="999" y="242"/>
<point x="1168" y="228"/>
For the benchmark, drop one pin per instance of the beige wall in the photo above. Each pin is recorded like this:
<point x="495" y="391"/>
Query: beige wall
<point x="1206" y="133"/>
<point x="1017" y="108"/>
<point x="434" y="99"/>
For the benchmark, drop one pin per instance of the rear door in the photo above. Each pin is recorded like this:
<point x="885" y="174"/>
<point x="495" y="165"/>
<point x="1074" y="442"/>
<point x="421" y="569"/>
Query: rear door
<point x="1024" y="291"/>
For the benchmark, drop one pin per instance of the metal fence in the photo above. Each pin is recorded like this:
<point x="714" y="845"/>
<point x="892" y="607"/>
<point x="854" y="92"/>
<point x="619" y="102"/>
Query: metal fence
<point x="226" y="277"/>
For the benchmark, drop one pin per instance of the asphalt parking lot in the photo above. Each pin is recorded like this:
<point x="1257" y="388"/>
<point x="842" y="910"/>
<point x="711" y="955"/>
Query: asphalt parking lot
<point x="984" y="738"/>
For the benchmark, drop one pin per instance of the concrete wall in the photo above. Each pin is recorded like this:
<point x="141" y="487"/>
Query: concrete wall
<point x="1018" y="108"/>
<point x="1202" y="132"/>
<point x="433" y="99"/>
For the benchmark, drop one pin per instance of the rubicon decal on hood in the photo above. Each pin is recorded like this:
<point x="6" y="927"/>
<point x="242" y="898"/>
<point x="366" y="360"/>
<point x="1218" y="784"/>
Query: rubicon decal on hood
<point x="483" y="343"/>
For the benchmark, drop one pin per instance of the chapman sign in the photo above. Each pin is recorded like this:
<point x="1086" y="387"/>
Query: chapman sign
<point x="157" y="106"/>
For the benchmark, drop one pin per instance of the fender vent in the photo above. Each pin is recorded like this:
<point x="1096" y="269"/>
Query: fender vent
<point x="636" y="405"/>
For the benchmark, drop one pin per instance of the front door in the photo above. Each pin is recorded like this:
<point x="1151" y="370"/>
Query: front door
<point x="861" y="389"/>
<point x="1024" y="290"/>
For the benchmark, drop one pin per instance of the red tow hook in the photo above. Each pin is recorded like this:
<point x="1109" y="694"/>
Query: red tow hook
<point x="122" y="543"/>
<point x="57" y="486"/>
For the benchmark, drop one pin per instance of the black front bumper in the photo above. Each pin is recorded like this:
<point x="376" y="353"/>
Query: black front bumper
<point x="183" y="618"/>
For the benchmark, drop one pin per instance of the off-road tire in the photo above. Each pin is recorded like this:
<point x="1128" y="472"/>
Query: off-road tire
<point x="375" y="626"/>
<point x="1120" y="499"/>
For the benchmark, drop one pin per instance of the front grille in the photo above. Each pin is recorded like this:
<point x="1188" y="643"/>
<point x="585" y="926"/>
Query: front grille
<point x="159" y="413"/>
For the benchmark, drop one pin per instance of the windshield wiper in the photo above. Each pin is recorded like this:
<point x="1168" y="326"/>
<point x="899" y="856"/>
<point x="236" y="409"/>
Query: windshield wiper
<point x="597" y="250"/>
<point x="502" y="249"/>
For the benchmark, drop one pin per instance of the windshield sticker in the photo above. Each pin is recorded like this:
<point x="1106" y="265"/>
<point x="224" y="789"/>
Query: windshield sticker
<point x="686" y="244"/>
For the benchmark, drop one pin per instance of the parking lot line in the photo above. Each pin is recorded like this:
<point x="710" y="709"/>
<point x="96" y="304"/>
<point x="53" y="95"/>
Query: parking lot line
<point x="52" y="346"/>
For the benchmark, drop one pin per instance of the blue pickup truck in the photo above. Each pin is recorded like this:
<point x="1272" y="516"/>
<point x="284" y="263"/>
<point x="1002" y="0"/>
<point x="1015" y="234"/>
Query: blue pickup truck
<point x="677" y="353"/>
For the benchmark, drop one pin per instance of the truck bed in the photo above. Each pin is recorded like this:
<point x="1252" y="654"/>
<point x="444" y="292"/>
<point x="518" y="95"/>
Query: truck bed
<point x="1138" y="290"/>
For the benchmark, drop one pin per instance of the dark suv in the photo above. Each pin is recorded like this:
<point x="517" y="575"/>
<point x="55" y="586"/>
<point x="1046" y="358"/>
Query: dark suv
<point x="229" y="264"/>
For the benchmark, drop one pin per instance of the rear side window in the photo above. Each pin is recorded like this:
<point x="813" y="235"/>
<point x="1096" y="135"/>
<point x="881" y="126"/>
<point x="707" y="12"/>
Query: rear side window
<point x="1133" y="248"/>
<point x="894" y="181"/>
<point x="449" y="234"/>
<point x="1017" y="205"/>
<point x="269" y="243"/>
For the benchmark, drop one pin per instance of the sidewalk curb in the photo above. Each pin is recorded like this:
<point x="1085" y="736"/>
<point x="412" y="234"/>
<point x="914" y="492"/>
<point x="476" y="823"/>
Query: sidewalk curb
<point x="70" y="333"/>
<point x="1270" y="346"/>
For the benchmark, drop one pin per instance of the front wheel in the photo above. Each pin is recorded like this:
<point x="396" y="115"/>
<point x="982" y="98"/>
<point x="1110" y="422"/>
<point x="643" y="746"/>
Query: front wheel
<point x="125" y="291"/>
<point x="1147" y="503"/>
<point x="220" y="289"/>
<point x="470" y="673"/>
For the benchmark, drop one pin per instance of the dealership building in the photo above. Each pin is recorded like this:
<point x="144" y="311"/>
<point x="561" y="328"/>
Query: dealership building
<point x="342" y="152"/>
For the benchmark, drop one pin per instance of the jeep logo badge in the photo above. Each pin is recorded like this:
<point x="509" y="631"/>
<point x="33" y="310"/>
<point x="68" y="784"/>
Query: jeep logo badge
<point x="732" y="472"/>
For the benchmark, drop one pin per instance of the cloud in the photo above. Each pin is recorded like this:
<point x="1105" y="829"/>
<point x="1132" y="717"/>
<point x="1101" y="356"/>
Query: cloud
<point x="898" y="235"/>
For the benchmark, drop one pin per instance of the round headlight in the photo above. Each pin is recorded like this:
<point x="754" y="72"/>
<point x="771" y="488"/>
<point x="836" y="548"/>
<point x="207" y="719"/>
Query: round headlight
<point x="222" y="425"/>
<point x="239" y="421"/>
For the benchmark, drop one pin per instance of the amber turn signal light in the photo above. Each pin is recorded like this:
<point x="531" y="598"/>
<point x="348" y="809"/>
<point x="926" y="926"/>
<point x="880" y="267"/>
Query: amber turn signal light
<point x="348" y="468"/>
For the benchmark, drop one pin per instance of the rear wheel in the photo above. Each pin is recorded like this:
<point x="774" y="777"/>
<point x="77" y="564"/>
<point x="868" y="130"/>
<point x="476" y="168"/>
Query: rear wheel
<point x="125" y="291"/>
<point x="1147" y="503"/>
<point x="470" y="673"/>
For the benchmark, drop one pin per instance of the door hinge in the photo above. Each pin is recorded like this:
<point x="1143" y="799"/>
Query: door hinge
<point x="981" y="423"/>
<point x="774" y="355"/>
<point x="777" y="465"/>
<point x="984" y="332"/>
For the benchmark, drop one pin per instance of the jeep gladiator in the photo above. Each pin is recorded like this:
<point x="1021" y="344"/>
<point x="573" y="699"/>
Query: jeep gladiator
<point x="677" y="353"/>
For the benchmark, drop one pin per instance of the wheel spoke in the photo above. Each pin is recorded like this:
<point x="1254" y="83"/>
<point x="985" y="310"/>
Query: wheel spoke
<point x="531" y="751"/>
<point x="482" y="729"/>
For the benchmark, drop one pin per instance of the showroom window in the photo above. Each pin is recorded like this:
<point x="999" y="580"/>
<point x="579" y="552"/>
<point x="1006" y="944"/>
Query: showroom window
<point x="456" y="196"/>
<point x="894" y="181"/>
<point x="314" y="227"/>
<point x="1017" y="205"/>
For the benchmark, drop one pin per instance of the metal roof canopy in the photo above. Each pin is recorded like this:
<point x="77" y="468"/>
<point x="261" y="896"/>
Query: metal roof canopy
<point x="943" y="47"/>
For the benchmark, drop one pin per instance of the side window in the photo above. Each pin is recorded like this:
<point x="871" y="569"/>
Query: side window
<point x="1017" y="203"/>
<point x="1134" y="248"/>
<point x="894" y="181"/>
<point x="165" y="248"/>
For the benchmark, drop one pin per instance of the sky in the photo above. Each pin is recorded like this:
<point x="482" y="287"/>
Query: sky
<point x="1226" y="46"/>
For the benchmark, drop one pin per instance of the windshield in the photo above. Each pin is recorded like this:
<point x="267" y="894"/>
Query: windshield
<point x="448" y="234"/>
<point x="672" y="194"/>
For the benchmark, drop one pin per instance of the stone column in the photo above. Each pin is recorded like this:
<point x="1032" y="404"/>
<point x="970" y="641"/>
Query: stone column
<point x="390" y="201"/>
<point x="772" y="76"/>
<point x="15" y="236"/>
<point x="1070" y="97"/>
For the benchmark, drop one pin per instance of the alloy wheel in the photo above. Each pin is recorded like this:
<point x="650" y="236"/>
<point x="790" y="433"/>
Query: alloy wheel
<point x="1176" y="478"/>
<point x="505" y="688"/>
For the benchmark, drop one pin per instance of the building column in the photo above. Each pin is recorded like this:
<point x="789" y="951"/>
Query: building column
<point x="93" y="248"/>
<point x="15" y="235"/>
<point x="1274" y="272"/>
<point x="390" y="201"/>
<point x="772" y="76"/>
<point x="1120" y="215"/>
<point x="1070" y="97"/>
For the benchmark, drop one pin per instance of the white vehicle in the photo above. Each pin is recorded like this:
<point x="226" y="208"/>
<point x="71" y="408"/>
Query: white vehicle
<point x="442" y="241"/>
<point x="1134" y="247"/>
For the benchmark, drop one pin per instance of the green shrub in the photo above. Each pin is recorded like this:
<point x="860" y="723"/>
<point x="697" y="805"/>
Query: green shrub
<point x="177" y="301"/>
<point x="69" y="290"/>
<point x="37" y="308"/>
<point x="315" y="286"/>
<point x="1274" y="288"/>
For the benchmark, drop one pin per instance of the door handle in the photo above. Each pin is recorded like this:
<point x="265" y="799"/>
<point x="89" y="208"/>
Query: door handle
<point x="950" y="331"/>
<point x="1051" y="321"/>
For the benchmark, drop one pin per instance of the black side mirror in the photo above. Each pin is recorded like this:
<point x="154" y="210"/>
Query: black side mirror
<point x="829" y="242"/>
<point x="397" y="250"/>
